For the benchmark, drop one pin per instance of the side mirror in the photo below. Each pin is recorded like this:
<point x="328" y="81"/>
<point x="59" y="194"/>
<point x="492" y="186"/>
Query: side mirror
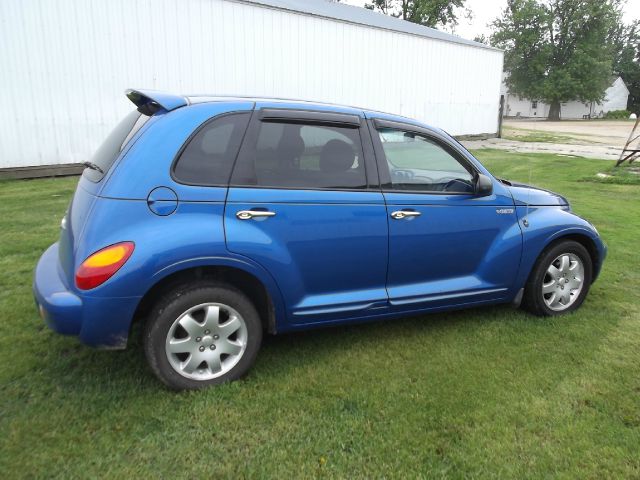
<point x="484" y="186"/>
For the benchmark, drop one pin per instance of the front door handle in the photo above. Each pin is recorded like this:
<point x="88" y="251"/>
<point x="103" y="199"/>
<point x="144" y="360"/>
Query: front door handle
<point x="249" y="214"/>
<point x="400" y="214"/>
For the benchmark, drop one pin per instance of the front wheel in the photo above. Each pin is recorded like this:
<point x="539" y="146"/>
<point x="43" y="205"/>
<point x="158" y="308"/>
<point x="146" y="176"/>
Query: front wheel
<point x="560" y="280"/>
<point x="201" y="335"/>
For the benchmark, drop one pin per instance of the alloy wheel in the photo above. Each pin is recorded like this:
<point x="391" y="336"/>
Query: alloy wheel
<point x="206" y="341"/>
<point x="563" y="282"/>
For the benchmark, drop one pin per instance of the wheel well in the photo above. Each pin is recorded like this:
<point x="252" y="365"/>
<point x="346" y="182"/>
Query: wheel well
<point x="243" y="281"/>
<point x="586" y="242"/>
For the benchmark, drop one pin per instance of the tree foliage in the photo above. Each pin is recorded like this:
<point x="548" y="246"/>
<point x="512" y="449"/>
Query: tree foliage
<point x="626" y="41"/>
<point x="558" y="50"/>
<point x="430" y="13"/>
<point x="482" y="38"/>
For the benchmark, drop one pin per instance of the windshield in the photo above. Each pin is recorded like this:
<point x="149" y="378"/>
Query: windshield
<point x="114" y="144"/>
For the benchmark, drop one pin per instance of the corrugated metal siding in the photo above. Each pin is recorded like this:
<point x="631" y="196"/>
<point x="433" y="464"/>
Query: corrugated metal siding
<point x="363" y="16"/>
<point x="66" y="64"/>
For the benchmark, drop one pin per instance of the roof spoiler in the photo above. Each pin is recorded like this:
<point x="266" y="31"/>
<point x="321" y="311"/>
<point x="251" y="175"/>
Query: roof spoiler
<point x="150" y="101"/>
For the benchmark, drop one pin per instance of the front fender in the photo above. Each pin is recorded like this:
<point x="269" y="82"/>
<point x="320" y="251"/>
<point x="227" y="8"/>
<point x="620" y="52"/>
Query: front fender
<point x="545" y="225"/>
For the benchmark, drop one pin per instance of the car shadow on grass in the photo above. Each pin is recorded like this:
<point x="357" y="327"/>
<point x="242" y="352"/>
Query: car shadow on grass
<point x="77" y="368"/>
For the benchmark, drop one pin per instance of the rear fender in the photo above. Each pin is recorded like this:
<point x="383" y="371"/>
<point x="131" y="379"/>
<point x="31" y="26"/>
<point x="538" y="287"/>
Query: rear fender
<point x="232" y="261"/>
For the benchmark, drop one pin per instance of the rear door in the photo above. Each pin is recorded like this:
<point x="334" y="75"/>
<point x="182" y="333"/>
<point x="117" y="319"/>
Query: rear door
<point x="303" y="202"/>
<point x="447" y="246"/>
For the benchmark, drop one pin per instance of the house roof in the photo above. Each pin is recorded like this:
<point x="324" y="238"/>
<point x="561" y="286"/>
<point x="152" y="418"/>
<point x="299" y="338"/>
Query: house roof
<point x="362" y="16"/>
<point x="615" y="78"/>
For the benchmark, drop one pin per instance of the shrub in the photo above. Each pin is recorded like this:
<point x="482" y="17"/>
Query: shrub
<point x="617" y="115"/>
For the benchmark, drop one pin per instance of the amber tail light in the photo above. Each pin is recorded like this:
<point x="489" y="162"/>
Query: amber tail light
<point x="102" y="265"/>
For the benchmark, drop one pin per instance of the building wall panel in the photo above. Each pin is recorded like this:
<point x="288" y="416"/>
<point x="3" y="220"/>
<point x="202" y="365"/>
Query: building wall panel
<point x="66" y="64"/>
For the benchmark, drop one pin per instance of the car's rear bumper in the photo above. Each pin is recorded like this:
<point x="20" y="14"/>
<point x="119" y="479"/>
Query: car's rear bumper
<point x="59" y="308"/>
<point x="98" y="321"/>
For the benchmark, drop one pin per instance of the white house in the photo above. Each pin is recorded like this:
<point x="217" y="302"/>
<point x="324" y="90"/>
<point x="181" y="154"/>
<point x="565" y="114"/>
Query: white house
<point x="66" y="63"/>
<point x="616" y="97"/>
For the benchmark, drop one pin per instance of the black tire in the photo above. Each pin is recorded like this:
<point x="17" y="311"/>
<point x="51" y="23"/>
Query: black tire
<point x="172" y="306"/>
<point x="533" y="300"/>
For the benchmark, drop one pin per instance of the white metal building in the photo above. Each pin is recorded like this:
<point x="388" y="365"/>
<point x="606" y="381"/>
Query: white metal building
<point x="616" y="97"/>
<point x="66" y="63"/>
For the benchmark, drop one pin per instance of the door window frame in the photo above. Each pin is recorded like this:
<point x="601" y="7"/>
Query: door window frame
<point x="386" y="185"/>
<point x="312" y="118"/>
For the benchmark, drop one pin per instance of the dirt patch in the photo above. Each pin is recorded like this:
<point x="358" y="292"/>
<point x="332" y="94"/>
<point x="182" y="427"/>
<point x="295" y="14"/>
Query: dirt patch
<point x="589" y="138"/>
<point x="587" y="150"/>
<point x="606" y="132"/>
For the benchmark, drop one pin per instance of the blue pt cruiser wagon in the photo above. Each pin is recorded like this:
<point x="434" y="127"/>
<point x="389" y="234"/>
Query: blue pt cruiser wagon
<point x="216" y="219"/>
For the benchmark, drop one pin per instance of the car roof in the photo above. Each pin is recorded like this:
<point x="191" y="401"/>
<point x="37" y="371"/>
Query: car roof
<point x="149" y="100"/>
<point x="291" y="103"/>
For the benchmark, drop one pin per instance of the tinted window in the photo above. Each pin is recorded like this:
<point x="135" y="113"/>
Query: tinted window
<point x="419" y="163"/>
<point x="114" y="144"/>
<point x="209" y="155"/>
<point x="304" y="156"/>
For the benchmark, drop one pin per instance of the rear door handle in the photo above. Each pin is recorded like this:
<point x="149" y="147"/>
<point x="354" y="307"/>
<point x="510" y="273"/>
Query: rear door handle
<point x="400" y="214"/>
<point x="249" y="214"/>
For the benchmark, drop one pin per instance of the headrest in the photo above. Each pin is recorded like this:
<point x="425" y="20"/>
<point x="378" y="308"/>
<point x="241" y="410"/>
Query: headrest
<point x="337" y="156"/>
<point x="291" y="144"/>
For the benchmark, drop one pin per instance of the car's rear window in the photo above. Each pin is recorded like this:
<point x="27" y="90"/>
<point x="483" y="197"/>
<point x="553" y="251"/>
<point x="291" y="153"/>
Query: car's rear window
<point x="208" y="157"/>
<point x="114" y="144"/>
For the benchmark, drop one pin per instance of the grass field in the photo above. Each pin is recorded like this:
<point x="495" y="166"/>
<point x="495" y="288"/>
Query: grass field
<point x="624" y="174"/>
<point x="489" y="392"/>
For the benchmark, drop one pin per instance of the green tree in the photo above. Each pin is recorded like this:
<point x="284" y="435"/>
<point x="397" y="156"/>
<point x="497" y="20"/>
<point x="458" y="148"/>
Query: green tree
<point x="430" y="13"/>
<point x="626" y="41"/>
<point x="482" y="38"/>
<point x="558" y="50"/>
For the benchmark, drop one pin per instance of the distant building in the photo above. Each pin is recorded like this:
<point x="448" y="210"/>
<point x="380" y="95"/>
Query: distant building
<point x="616" y="97"/>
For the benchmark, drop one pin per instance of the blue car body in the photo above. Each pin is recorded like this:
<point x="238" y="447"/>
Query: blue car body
<point x="327" y="257"/>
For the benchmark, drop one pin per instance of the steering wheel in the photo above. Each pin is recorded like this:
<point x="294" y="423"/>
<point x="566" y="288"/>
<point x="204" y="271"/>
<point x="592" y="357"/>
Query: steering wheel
<point x="424" y="179"/>
<point x="403" y="174"/>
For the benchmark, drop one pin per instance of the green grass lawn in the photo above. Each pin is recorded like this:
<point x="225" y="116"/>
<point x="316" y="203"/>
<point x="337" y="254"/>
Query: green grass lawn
<point x="490" y="392"/>
<point x="624" y="174"/>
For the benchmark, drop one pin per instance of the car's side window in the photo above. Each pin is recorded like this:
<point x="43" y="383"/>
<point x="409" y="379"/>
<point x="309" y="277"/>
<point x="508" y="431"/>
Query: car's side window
<point x="299" y="155"/>
<point x="419" y="163"/>
<point x="208" y="157"/>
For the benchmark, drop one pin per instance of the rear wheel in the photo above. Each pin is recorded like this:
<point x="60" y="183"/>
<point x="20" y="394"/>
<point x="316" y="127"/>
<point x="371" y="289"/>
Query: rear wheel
<point x="560" y="280"/>
<point x="201" y="335"/>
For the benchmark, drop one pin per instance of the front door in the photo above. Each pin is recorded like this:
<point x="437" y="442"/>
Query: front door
<point x="300" y="205"/>
<point x="447" y="246"/>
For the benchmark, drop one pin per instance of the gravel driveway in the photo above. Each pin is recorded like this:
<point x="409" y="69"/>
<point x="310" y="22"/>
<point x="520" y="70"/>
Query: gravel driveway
<point x="588" y="138"/>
